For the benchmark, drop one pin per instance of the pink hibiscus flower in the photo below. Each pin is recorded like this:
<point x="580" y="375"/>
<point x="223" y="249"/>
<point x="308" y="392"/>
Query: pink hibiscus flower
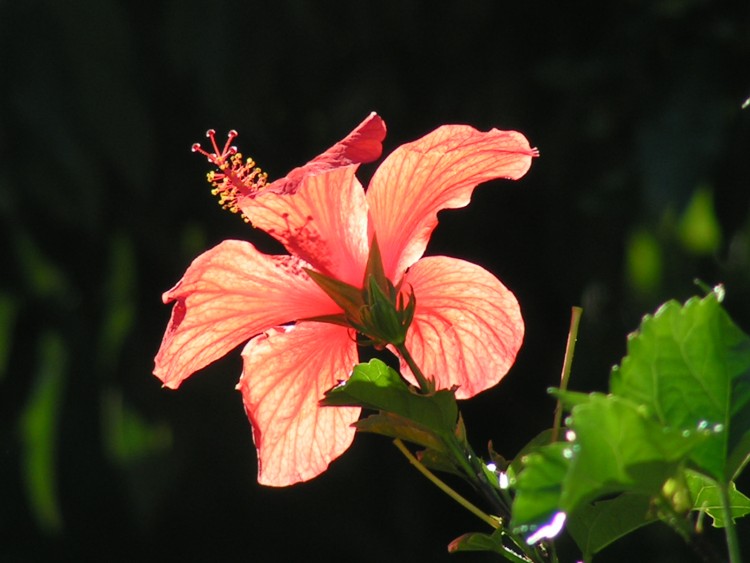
<point x="467" y="327"/>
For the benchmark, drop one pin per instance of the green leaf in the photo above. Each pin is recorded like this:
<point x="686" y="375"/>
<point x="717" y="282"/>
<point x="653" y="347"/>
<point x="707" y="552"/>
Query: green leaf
<point x="690" y="365"/>
<point x="541" y="439"/>
<point x="680" y="398"/>
<point x="706" y="497"/>
<point x="376" y="386"/>
<point x="539" y="484"/>
<point x="569" y="399"/>
<point x="395" y="426"/>
<point x="440" y="460"/>
<point x="478" y="542"/>
<point x="485" y="542"/>
<point x="595" y="526"/>
<point x="620" y="447"/>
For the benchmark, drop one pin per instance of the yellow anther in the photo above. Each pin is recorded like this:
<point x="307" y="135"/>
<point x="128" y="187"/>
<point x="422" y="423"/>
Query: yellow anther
<point x="234" y="178"/>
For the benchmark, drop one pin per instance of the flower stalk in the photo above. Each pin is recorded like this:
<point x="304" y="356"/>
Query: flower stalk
<point x="529" y="554"/>
<point x="494" y="522"/>
<point x="425" y="385"/>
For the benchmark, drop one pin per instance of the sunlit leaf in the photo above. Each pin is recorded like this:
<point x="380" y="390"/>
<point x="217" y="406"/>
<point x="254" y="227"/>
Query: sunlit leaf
<point x="681" y="396"/>
<point x="706" y="497"/>
<point x="690" y="366"/>
<point x="539" y="484"/>
<point x="378" y="387"/>
<point x="618" y="447"/>
<point x="541" y="439"/>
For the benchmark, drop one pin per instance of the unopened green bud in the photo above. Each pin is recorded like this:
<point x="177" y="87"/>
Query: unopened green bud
<point x="386" y="318"/>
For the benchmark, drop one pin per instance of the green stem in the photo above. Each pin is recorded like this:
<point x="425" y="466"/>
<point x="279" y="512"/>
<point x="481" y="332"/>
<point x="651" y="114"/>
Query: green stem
<point x="468" y="460"/>
<point x="494" y="522"/>
<point x="472" y="466"/>
<point x="575" y="320"/>
<point x="424" y="385"/>
<point x="741" y="467"/>
<point x="464" y="455"/>
<point x="730" y="531"/>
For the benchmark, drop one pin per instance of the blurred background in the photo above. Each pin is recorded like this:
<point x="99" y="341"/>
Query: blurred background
<point x="641" y="187"/>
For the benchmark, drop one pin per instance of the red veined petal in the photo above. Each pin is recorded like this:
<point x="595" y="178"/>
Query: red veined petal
<point x="286" y="372"/>
<point x="227" y="295"/>
<point x="364" y="144"/>
<point x="467" y="326"/>
<point x="324" y="222"/>
<point x="438" y="171"/>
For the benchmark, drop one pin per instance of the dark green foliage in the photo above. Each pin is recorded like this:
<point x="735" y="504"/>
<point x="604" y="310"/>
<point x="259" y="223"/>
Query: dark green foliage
<point x="670" y="435"/>
<point x="640" y="187"/>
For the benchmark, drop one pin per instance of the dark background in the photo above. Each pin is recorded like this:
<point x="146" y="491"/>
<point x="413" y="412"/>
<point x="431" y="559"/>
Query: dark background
<point x="642" y="186"/>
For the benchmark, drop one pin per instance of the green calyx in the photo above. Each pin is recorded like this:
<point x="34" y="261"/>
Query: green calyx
<point x="387" y="316"/>
<point x="379" y="310"/>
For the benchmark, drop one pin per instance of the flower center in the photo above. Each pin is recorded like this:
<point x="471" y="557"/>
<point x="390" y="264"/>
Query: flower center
<point x="234" y="178"/>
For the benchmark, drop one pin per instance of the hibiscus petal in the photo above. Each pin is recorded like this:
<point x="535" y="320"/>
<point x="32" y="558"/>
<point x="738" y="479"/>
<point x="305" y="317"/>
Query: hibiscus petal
<point x="324" y="222"/>
<point x="467" y="326"/>
<point x="438" y="171"/>
<point x="286" y="372"/>
<point x="227" y="295"/>
<point x="364" y="144"/>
